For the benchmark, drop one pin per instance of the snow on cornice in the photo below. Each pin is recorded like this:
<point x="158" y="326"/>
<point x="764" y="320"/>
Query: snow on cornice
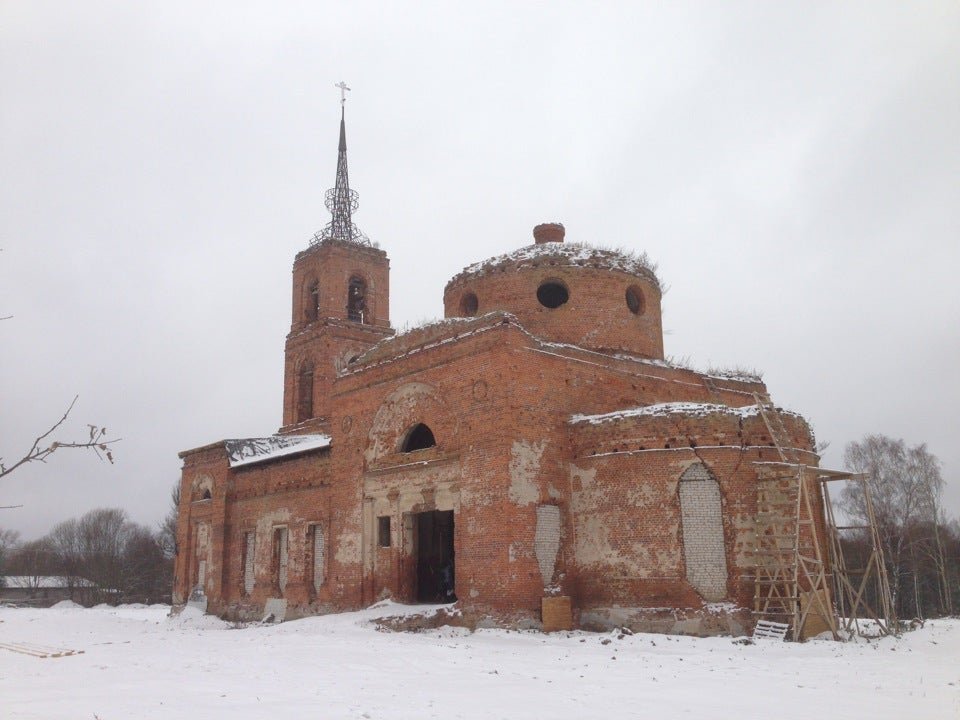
<point x="574" y="254"/>
<point x="690" y="409"/>
<point x="248" y="451"/>
<point x="426" y="336"/>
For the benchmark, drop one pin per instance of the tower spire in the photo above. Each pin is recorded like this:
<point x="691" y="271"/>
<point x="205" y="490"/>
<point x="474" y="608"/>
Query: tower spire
<point x="340" y="200"/>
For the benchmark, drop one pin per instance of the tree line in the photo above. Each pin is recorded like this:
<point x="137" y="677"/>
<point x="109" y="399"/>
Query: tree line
<point x="920" y="545"/>
<point x="124" y="561"/>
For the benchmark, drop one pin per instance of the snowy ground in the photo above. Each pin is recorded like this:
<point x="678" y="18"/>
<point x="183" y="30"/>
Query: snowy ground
<point x="139" y="663"/>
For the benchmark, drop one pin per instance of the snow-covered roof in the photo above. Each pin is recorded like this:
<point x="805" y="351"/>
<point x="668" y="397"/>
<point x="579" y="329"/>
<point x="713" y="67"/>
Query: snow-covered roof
<point x="575" y="254"/>
<point x="690" y="409"/>
<point x="248" y="451"/>
<point x="28" y="582"/>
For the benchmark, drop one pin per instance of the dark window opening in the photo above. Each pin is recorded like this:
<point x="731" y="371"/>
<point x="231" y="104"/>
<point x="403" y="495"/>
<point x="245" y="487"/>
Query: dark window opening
<point x="206" y="495"/>
<point x="383" y="531"/>
<point x="305" y="392"/>
<point x="419" y="438"/>
<point x="635" y="301"/>
<point x="552" y="294"/>
<point x="313" y="301"/>
<point x="435" y="557"/>
<point x="357" y="300"/>
<point x="469" y="305"/>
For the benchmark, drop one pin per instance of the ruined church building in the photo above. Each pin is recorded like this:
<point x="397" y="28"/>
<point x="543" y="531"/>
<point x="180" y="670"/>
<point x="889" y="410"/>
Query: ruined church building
<point x="532" y="456"/>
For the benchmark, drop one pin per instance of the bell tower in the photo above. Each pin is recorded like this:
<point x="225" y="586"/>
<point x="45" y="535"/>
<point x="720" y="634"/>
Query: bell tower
<point x="341" y="304"/>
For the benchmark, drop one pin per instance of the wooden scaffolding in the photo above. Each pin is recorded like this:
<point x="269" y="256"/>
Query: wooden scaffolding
<point x="862" y="593"/>
<point x="797" y="584"/>
<point x="791" y="584"/>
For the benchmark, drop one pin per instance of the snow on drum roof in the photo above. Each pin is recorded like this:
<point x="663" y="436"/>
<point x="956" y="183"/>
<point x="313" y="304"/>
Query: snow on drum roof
<point x="574" y="254"/>
<point x="248" y="451"/>
<point x="669" y="408"/>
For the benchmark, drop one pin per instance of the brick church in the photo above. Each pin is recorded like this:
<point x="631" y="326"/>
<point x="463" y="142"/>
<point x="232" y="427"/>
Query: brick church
<point x="530" y="455"/>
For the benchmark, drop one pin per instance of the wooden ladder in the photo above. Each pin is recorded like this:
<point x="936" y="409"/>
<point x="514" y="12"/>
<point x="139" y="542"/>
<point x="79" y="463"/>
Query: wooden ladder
<point x="790" y="575"/>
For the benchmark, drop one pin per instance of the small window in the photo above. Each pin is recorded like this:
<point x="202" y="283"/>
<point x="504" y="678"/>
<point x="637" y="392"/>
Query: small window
<point x="552" y="294"/>
<point x="469" y="305"/>
<point x="635" y="301"/>
<point x="420" y="437"/>
<point x="313" y="301"/>
<point x="206" y="494"/>
<point x="383" y="531"/>
<point x="357" y="300"/>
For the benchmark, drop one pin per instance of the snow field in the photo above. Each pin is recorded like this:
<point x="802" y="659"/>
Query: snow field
<point x="139" y="663"/>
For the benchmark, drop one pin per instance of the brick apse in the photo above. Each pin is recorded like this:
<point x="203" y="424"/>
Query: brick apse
<point x="533" y="444"/>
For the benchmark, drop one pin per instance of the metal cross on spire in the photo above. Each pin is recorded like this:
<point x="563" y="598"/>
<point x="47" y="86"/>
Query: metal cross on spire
<point x="343" y="92"/>
<point x="340" y="200"/>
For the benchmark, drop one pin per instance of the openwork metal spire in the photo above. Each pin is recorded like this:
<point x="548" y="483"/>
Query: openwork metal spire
<point x="340" y="200"/>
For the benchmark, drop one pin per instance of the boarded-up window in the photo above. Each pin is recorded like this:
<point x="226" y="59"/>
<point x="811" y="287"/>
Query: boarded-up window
<point x="703" y="546"/>
<point x="546" y="540"/>
<point x="317" y="546"/>
<point x="280" y="558"/>
<point x="249" y="547"/>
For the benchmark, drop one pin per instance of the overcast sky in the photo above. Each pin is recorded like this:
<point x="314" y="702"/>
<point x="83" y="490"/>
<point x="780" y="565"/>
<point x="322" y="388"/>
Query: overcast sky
<point x="794" y="168"/>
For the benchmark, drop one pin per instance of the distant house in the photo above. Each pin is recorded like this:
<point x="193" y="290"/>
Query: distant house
<point x="47" y="590"/>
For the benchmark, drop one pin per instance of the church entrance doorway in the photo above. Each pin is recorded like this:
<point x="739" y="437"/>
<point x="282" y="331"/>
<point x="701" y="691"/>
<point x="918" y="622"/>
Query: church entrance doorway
<point x="435" y="561"/>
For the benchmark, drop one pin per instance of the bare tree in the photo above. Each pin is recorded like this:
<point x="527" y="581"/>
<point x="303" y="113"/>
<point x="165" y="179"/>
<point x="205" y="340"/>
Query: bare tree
<point x="43" y="446"/>
<point x="9" y="539"/>
<point x="64" y="544"/>
<point x="145" y="575"/>
<point x="168" y="527"/>
<point x="102" y="535"/>
<point x="905" y="484"/>
<point x="32" y="560"/>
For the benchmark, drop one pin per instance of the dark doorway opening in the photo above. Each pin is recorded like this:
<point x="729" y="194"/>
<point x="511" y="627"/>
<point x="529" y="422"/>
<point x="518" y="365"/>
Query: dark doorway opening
<point x="435" y="562"/>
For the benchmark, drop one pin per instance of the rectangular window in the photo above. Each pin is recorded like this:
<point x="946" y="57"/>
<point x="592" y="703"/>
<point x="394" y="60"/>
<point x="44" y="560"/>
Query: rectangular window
<point x="383" y="531"/>
<point x="280" y="558"/>
<point x="249" y="546"/>
<point x="316" y="536"/>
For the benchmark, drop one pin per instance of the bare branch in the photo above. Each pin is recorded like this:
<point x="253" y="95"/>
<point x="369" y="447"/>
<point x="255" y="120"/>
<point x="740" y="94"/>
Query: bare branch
<point x="41" y="450"/>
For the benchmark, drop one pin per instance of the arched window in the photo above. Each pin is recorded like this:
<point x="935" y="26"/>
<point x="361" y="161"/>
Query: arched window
<point x="202" y="488"/>
<point x="305" y="392"/>
<point x="420" y="437"/>
<point x="357" y="300"/>
<point x="701" y="512"/>
<point x="312" y="308"/>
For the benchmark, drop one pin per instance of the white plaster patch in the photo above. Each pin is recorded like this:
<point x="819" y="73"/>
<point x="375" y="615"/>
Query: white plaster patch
<point x="592" y="545"/>
<point x="517" y="550"/>
<point x="264" y="543"/>
<point x="348" y="548"/>
<point x="524" y="467"/>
